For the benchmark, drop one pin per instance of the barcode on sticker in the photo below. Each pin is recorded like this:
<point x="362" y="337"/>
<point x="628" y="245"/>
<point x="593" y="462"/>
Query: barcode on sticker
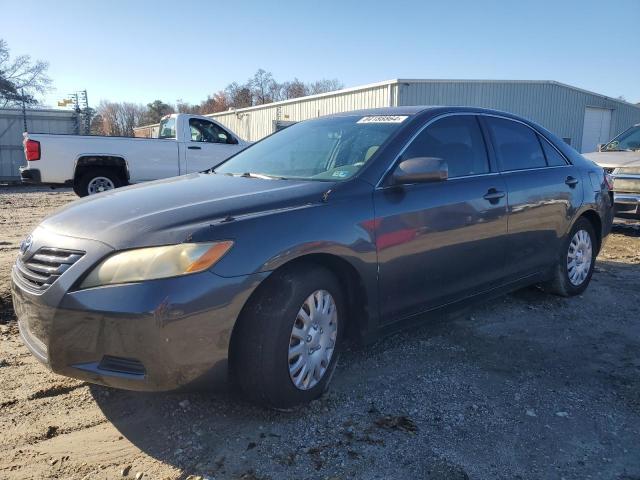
<point x="383" y="119"/>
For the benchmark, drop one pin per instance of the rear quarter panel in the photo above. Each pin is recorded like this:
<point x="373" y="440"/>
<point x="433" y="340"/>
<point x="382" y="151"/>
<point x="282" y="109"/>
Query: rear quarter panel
<point x="596" y="194"/>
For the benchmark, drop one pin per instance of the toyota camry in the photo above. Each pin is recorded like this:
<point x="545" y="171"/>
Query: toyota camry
<point x="352" y="225"/>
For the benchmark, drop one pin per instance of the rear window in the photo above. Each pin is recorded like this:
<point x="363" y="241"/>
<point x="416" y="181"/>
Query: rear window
<point x="167" y="128"/>
<point x="517" y="146"/>
<point x="554" y="158"/>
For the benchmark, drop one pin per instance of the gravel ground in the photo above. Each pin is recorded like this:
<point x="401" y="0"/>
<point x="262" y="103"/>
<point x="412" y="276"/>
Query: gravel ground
<point x="529" y="386"/>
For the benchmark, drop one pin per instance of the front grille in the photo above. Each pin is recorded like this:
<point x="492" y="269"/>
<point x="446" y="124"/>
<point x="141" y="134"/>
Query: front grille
<point x="44" y="267"/>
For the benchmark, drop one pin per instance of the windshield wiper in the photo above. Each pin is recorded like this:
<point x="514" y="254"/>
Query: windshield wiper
<point x="262" y="176"/>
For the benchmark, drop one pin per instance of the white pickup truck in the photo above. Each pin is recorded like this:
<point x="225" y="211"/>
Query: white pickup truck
<point x="92" y="164"/>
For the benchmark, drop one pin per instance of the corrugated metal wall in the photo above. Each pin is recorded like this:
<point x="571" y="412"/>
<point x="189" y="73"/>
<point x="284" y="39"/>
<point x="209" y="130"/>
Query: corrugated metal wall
<point x="12" y="127"/>
<point x="557" y="107"/>
<point x="254" y="123"/>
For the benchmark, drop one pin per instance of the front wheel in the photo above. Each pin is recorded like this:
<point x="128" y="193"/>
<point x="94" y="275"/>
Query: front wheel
<point x="286" y="344"/>
<point x="577" y="260"/>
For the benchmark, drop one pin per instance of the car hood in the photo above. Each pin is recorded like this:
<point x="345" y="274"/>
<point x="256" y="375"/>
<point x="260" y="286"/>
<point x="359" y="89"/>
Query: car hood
<point x="614" y="159"/>
<point x="170" y="210"/>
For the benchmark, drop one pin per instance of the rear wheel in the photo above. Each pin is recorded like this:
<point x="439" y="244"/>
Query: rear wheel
<point x="577" y="260"/>
<point x="287" y="340"/>
<point x="96" y="181"/>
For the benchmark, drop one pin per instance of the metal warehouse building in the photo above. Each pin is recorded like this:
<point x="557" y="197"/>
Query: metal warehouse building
<point x="582" y="118"/>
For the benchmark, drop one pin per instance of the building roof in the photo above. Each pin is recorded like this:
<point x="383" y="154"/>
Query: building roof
<point x="409" y="81"/>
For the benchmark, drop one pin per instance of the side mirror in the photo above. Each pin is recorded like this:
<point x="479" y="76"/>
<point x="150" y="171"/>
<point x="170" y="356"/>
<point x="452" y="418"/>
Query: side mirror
<point x="421" y="170"/>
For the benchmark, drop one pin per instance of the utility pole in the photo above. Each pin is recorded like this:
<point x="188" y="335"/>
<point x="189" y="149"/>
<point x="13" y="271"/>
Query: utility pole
<point x="24" y="111"/>
<point x="80" y="104"/>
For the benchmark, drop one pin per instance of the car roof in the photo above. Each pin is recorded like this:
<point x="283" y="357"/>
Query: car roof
<point x="418" y="109"/>
<point x="383" y="111"/>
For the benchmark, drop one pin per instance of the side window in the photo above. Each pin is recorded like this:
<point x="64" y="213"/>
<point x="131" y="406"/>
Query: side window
<point x="554" y="158"/>
<point x="457" y="140"/>
<point x="203" y="131"/>
<point x="517" y="145"/>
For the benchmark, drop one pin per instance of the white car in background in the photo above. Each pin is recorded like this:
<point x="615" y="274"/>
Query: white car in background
<point x="621" y="160"/>
<point x="92" y="164"/>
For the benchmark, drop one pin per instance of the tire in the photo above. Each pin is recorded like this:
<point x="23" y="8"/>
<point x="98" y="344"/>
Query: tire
<point x="81" y="186"/>
<point x="263" y="341"/>
<point x="572" y="281"/>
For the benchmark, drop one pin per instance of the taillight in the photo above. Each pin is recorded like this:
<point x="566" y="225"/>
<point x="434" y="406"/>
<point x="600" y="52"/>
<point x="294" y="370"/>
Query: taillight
<point x="31" y="149"/>
<point x="608" y="180"/>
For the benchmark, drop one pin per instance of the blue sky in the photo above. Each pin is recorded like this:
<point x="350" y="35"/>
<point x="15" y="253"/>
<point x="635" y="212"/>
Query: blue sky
<point x="143" y="50"/>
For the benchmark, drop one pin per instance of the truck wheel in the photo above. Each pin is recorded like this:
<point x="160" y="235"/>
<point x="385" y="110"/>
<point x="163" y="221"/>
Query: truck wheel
<point x="288" y="337"/>
<point x="96" y="181"/>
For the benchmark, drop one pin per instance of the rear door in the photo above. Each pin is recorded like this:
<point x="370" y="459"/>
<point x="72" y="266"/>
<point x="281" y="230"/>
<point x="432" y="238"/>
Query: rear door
<point x="208" y="145"/>
<point x="544" y="189"/>
<point x="440" y="241"/>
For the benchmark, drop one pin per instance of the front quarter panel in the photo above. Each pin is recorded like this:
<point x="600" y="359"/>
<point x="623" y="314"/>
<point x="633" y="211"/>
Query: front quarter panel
<point x="340" y="226"/>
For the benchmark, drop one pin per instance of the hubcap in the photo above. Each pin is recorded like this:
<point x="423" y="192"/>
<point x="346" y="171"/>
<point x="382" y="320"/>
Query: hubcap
<point x="313" y="340"/>
<point x="100" y="184"/>
<point x="579" y="257"/>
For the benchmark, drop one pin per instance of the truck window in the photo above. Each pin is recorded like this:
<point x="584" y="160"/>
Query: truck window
<point x="203" y="131"/>
<point x="629" y="140"/>
<point x="167" y="128"/>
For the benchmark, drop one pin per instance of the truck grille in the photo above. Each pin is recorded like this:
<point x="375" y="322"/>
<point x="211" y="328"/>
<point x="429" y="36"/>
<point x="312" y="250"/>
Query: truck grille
<point x="45" y="266"/>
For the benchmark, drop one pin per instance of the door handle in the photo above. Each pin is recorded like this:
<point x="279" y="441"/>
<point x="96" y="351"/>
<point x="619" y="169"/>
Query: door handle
<point x="194" y="148"/>
<point x="571" y="181"/>
<point x="493" y="195"/>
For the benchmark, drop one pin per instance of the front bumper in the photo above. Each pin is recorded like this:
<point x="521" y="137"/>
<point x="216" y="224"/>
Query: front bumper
<point x="627" y="202"/>
<point x="155" y="335"/>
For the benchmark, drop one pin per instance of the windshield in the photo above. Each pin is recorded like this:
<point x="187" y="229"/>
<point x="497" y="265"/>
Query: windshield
<point x="329" y="149"/>
<point x="627" y="140"/>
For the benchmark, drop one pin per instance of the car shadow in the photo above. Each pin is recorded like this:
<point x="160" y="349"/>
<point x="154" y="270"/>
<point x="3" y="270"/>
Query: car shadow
<point x="472" y="364"/>
<point x="626" y="226"/>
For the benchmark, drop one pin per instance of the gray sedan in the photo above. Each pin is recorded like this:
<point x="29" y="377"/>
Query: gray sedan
<point x="351" y="225"/>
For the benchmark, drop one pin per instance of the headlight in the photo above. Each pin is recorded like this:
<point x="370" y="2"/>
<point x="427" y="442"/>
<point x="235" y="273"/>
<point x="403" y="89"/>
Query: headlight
<point x="156" y="262"/>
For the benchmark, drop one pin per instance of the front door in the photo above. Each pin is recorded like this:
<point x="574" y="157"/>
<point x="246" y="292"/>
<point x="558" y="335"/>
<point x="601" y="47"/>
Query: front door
<point x="209" y="145"/>
<point x="441" y="241"/>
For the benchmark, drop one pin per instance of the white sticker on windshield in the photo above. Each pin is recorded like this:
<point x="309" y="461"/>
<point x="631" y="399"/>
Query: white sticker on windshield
<point x="383" y="119"/>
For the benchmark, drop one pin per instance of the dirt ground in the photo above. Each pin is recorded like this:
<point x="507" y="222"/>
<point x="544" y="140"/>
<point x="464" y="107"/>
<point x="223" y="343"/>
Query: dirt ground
<point x="528" y="386"/>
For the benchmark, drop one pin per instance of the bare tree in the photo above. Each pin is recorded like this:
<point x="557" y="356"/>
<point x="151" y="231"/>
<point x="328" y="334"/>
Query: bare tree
<point x="120" y="118"/>
<point x="19" y="75"/>
<point x="239" y="95"/>
<point x="186" y="107"/>
<point x="262" y="87"/>
<point x="324" y="86"/>
<point x="293" y="89"/>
